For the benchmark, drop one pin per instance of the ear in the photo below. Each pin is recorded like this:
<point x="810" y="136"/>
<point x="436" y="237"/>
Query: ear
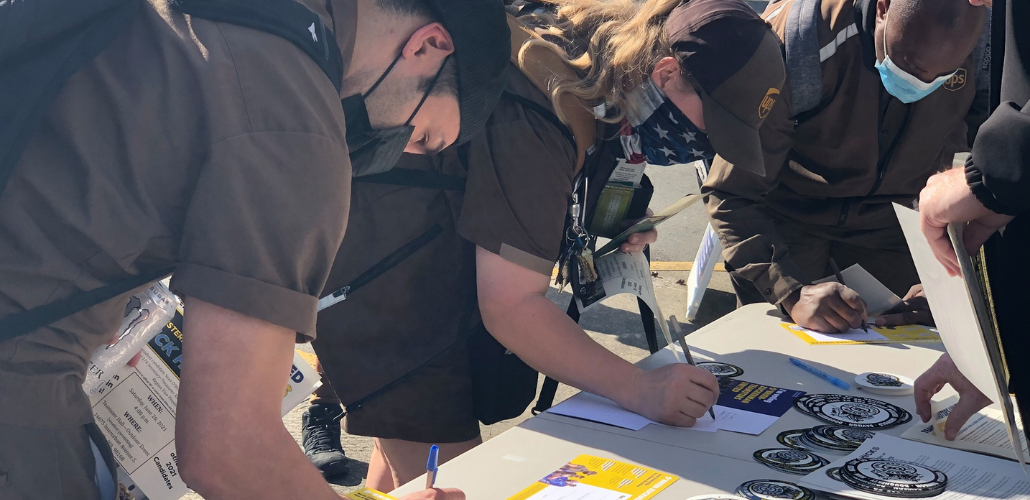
<point x="881" y="10"/>
<point x="432" y="40"/>
<point x="667" y="69"/>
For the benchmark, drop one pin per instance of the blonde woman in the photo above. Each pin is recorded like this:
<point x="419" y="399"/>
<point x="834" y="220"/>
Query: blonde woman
<point x="437" y="262"/>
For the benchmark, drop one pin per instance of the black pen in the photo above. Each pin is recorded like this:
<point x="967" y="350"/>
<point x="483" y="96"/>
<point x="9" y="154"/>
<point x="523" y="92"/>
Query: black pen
<point x="683" y="343"/>
<point x="840" y="279"/>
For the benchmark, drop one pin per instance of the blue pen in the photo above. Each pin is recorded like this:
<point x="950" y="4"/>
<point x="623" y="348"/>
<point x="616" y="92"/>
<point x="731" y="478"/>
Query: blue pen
<point x="821" y="374"/>
<point x="431" y="466"/>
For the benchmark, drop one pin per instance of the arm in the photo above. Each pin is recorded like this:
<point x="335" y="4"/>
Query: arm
<point x="229" y="431"/>
<point x="735" y="201"/>
<point x="230" y="436"/>
<point x="985" y="195"/>
<point x="517" y="312"/>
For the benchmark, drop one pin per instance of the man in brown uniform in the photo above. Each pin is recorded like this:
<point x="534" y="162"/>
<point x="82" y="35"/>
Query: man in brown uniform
<point x="840" y="148"/>
<point x="445" y="253"/>
<point x="221" y="152"/>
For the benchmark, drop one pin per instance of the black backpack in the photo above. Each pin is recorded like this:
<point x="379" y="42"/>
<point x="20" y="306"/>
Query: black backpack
<point x="44" y="42"/>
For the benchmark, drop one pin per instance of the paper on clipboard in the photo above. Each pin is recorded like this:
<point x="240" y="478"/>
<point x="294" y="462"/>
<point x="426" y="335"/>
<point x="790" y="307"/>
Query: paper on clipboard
<point x="963" y="320"/>
<point x="648" y="223"/>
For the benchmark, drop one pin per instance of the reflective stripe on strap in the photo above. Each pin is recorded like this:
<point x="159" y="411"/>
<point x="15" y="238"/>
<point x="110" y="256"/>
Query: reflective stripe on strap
<point x="831" y="48"/>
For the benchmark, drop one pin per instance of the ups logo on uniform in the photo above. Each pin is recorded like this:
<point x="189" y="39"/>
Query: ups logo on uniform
<point x="767" y="103"/>
<point x="957" y="81"/>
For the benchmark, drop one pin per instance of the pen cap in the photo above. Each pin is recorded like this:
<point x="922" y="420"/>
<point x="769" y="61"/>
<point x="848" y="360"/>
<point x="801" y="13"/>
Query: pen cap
<point x="434" y="452"/>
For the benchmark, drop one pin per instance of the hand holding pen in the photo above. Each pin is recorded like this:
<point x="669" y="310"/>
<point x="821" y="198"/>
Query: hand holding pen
<point x="840" y="279"/>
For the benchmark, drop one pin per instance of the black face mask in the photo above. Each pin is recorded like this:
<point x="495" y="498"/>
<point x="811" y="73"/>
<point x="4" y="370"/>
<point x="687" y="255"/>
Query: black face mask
<point x="372" y="150"/>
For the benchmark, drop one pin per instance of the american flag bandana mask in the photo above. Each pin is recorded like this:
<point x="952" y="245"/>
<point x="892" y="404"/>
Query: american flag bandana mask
<point x="656" y="131"/>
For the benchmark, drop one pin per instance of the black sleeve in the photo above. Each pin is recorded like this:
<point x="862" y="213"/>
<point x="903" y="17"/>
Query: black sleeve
<point x="999" y="169"/>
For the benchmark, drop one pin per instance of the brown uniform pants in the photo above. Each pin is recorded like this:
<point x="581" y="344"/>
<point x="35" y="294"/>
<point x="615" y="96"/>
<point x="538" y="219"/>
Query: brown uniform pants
<point x="882" y="252"/>
<point x="50" y="464"/>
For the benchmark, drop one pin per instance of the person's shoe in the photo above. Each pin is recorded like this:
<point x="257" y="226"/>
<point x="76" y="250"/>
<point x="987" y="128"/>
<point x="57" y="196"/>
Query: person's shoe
<point x="321" y="437"/>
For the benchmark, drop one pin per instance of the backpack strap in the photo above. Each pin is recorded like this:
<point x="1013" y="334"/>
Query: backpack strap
<point x="415" y="178"/>
<point x="542" y="66"/>
<point x="550" y="386"/>
<point x="802" y="54"/>
<point x="42" y="44"/>
<point x="28" y="321"/>
<point x="284" y="18"/>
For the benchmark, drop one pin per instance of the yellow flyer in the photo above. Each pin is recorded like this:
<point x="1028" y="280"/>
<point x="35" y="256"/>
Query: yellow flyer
<point x="368" y="494"/>
<point x="594" y="478"/>
<point x="906" y="334"/>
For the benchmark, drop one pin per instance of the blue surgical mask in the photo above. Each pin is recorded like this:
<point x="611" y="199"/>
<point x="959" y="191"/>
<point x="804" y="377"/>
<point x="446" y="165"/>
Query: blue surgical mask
<point x="901" y="84"/>
<point x="656" y="131"/>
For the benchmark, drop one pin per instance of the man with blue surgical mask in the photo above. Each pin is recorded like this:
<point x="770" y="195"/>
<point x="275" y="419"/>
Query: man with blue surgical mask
<point x="879" y="98"/>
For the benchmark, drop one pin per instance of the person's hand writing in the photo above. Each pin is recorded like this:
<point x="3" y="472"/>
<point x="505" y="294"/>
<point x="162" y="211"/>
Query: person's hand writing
<point x="435" y="494"/>
<point x="638" y="241"/>
<point x="945" y="199"/>
<point x="826" y="307"/>
<point x="675" y="394"/>
<point x="913" y="310"/>
<point x="942" y="373"/>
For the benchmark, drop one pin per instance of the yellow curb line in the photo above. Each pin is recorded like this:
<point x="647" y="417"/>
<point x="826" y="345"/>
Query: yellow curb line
<point x="309" y="357"/>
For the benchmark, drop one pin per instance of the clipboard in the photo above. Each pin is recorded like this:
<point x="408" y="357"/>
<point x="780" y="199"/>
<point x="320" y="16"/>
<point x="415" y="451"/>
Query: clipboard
<point x="978" y="290"/>
<point x="964" y="320"/>
<point x="648" y="223"/>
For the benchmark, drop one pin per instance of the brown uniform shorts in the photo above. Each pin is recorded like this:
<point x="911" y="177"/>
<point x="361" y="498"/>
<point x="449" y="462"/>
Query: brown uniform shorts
<point x="50" y="464"/>
<point x="430" y="405"/>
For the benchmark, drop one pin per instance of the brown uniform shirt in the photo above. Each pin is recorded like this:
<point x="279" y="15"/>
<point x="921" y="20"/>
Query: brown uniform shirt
<point x="839" y="166"/>
<point x="210" y="147"/>
<point x="519" y="179"/>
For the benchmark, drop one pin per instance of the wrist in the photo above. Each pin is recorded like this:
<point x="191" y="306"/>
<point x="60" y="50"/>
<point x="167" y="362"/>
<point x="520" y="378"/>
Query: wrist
<point x="788" y="302"/>
<point x="983" y="194"/>
<point x="627" y="394"/>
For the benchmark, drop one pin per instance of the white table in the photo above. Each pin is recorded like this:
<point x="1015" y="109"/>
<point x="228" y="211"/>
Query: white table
<point x="751" y="338"/>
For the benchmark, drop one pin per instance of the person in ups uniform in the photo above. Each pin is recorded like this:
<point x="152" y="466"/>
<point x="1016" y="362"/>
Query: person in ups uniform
<point x="217" y="151"/>
<point x="465" y="241"/>
<point x="876" y="101"/>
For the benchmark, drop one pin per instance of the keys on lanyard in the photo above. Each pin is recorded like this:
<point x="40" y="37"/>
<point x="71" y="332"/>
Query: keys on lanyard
<point x="577" y="248"/>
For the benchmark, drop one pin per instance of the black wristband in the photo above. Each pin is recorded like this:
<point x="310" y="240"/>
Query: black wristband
<point x="983" y="194"/>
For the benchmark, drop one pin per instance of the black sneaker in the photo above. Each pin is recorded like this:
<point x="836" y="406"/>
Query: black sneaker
<point x="321" y="436"/>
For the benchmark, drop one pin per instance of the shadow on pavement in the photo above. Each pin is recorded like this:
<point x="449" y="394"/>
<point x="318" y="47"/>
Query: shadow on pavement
<point x="356" y="472"/>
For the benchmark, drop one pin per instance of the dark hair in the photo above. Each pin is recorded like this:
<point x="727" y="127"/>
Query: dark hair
<point x="945" y="14"/>
<point x="418" y="8"/>
<point x="446" y="84"/>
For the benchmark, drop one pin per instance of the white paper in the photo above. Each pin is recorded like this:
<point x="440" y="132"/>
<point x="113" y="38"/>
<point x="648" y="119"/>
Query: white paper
<point x="628" y="173"/>
<point x="970" y="476"/>
<point x="949" y="301"/>
<point x="597" y="409"/>
<point x="137" y="414"/>
<point x="878" y="298"/>
<point x="626" y="273"/>
<point x="984" y="432"/>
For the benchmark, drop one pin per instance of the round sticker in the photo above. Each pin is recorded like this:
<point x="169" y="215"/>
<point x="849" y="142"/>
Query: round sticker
<point x="790" y="460"/>
<point x="860" y="413"/>
<point x="721" y="369"/>
<point x="791" y="438"/>
<point x="893" y="477"/>
<point x="886" y="384"/>
<point x="772" y="489"/>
